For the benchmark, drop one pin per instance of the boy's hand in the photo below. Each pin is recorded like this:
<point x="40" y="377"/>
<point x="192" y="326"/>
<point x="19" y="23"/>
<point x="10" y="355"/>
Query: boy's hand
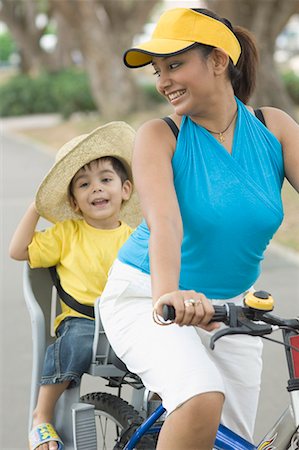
<point x="23" y="235"/>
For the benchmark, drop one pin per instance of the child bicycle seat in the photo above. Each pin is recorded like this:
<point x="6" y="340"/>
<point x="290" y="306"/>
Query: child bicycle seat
<point x="39" y="298"/>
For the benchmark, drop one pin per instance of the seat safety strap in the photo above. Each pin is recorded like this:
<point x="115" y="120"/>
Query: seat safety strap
<point x="68" y="299"/>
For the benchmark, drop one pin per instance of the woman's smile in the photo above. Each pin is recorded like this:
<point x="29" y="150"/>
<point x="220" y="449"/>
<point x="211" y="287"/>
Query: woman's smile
<point x="175" y="95"/>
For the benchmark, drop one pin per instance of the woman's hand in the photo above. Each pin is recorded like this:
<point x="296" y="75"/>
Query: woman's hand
<point x="191" y="308"/>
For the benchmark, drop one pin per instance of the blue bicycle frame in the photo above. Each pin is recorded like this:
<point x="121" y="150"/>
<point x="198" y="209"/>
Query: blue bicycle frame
<point x="225" y="439"/>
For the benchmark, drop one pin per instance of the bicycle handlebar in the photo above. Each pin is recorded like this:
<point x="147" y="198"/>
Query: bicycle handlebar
<point x="243" y="319"/>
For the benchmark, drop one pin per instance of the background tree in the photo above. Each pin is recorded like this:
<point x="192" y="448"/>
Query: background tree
<point x="266" y="19"/>
<point x="21" y="17"/>
<point x="100" y="30"/>
<point x="105" y="28"/>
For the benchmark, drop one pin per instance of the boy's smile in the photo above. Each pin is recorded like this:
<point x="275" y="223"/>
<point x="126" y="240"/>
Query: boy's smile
<point x="99" y="202"/>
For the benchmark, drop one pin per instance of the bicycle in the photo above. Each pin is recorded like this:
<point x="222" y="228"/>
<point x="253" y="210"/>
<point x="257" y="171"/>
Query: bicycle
<point x="104" y="421"/>
<point x="253" y="319"/>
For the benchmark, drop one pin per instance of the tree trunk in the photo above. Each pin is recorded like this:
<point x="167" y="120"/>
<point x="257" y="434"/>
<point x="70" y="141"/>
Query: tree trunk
<point x="112" y="87"/>
<point x="104" y="30"/>
<point x="67" y="43"/>
<point x="266" y="20"/>
<point x="100" y="29"/>
<point x="20" y="17"/>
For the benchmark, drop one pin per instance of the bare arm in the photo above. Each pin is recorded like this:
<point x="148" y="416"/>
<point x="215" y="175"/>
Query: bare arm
<point x="23" y="235"/>
<point x="154" y="147"/>
<point x="287" y="132"/>
<point x="152" y="169"/>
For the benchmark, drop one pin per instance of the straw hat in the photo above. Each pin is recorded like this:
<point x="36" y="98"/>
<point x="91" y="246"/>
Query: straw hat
<point x="113" y="139"/>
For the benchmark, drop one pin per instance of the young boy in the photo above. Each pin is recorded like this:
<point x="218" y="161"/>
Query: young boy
<point x="87" y="194"/>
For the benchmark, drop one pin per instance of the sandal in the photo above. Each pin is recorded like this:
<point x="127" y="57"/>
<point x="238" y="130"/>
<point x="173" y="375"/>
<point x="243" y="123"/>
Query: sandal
<point x="44" y="432"/>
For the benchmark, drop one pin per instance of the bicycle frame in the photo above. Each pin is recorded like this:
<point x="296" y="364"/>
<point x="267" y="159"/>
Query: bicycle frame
<point x="279" y="436"/>
<point x="225" y="439"/>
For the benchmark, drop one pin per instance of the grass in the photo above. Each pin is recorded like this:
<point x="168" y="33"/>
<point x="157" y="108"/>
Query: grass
<point x="54" y="137"/>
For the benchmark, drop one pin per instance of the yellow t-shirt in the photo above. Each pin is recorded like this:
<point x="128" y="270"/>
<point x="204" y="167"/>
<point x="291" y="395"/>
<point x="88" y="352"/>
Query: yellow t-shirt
<point x="82" y="255"/>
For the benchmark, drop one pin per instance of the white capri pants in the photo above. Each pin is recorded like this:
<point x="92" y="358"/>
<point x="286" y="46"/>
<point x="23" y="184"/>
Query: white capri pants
<point x="176" y="362"/>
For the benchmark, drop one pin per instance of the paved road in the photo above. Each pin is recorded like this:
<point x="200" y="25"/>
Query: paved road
<point x="22" y="167"/>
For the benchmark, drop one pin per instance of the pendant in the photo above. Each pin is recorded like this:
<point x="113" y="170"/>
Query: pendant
<point x="221" y="138"/>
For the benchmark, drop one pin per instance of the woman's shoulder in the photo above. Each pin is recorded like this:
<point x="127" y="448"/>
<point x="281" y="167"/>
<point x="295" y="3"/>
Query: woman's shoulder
<point x="158" y="126"/>
<point x="269" y="111"/>
<point x="155" y="134"/>
<point x="274" y="113"/>
<point x="276" y="120"/>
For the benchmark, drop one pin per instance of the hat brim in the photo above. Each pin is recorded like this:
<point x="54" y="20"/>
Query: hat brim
<point x="142" y="55"/>
<point x="114" y="139"/>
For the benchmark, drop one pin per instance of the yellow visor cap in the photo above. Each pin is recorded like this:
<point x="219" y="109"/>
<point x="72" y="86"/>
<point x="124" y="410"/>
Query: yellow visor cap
<point x="178" y="29"/>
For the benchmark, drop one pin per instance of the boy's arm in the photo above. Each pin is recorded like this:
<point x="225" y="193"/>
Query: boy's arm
<point x="23" y="235"/>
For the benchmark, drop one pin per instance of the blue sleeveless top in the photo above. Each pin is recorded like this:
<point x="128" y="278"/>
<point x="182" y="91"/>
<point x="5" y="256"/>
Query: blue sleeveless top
<point x="230" y="206"/>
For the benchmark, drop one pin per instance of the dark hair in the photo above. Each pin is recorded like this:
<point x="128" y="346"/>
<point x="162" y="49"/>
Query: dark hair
<point x="243" y="75"/>
<point x="117" y="165"/>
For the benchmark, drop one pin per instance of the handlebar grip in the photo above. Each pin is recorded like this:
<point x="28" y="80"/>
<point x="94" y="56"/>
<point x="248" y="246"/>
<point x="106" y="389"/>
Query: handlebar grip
<point x="168" y="312"/>
<point x="220" y="315"/>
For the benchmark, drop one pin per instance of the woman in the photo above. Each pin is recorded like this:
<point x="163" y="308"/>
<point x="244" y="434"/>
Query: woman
<point x="211" y="202"/>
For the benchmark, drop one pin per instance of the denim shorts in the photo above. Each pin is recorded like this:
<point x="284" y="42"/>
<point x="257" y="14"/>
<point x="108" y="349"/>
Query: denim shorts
<point x="69" y="357"/>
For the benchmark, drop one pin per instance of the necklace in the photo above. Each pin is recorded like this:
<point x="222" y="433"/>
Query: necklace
<point x="221" y="133"/>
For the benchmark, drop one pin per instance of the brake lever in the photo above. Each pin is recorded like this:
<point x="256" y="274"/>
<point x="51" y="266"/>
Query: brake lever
<point x="246" y="327"/>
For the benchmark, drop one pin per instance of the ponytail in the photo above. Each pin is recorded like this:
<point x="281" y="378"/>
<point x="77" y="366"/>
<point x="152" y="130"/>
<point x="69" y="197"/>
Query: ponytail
<point x="243" y="75"/>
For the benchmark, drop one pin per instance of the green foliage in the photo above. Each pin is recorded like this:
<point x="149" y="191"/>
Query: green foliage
<point x="65" y="92"/>
<point x="291" y="81"/>
<point x="7" y="46"/>
<point x="72" y="92"/>
<point x="151" y="94"/>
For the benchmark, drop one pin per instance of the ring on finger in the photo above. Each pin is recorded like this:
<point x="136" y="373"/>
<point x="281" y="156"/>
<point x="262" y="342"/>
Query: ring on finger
<point x="189" y="302"/>
<point x="158" y="320"/>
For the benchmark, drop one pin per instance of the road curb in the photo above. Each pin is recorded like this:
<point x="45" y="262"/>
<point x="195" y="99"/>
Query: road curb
<point x="30" y="121"/>
<point x="13" y="126"/>
<point x="22" y="138"/>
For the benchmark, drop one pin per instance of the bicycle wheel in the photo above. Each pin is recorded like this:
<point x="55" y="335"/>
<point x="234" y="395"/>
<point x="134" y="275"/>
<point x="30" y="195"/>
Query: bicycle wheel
<point x="113" y="416"/>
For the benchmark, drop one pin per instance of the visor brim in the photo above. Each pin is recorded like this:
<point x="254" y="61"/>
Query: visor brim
<point x="142" y="55"/>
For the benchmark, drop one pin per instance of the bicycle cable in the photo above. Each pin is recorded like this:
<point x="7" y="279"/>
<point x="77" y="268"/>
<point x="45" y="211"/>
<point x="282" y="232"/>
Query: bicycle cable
<point x="289" y="346"/>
